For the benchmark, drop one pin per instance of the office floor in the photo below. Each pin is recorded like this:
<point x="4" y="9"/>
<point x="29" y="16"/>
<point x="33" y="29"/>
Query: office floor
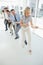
<point x="12" y="53"/>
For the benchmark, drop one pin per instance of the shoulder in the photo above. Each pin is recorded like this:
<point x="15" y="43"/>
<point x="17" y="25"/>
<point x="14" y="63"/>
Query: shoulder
<point x="30" y="17"/>
<point x="23" y="17"/>
<point x="17" y="15"/>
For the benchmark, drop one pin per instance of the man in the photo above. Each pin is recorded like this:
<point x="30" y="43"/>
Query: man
<point x="6" y="19"/>
<point x="9" y="21"/>
<point x="16" y="24"/>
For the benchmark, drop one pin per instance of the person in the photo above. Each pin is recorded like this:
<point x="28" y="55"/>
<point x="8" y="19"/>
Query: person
<point x="5" y="18"/>
<point x="16" y="20"/>
<point x="25" y="22"/>
<point x="9" y="21"/>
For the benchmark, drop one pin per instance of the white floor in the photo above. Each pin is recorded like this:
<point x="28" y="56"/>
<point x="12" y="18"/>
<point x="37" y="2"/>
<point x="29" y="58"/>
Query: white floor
<point x="12" y="53"/>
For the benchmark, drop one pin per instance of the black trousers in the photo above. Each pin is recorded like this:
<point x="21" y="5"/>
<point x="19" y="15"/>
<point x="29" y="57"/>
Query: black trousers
<point x="6" y="24"/>
<point x="9" y="23"/>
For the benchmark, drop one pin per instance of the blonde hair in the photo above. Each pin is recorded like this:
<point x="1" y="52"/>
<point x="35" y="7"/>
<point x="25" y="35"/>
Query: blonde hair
<point x="26" y="9"/>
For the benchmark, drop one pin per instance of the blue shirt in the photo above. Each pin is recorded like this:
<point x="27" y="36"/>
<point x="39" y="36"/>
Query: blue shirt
<point x="12" y="18"/>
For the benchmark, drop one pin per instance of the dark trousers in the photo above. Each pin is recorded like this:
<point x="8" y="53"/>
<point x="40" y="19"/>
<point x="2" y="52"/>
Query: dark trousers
<point x="17" y="29"/>
<point x="9" y="23"/>
<point x="6" y="24"/>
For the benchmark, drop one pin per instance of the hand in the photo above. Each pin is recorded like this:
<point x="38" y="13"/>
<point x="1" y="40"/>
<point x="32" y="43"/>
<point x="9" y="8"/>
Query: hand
<point x="27" y="24"/>
<point x="35" y="27"/>
<point x="21" y="23"/>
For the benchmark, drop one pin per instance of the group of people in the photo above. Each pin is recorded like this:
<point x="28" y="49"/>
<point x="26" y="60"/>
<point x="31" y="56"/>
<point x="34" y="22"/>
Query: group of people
<point x="14" y="21"/>
<point x="11" y="21"/>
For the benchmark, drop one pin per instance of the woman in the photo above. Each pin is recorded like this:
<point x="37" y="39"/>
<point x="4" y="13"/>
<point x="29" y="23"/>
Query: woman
<point x="25" y="22"/>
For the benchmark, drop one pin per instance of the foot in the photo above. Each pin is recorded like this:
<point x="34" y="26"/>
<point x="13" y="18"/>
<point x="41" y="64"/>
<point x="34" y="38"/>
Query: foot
<point x="16" y="37"/>
<point x="10" y="32"/>
<point x="29" y="52"/>
<point x="6" y="29"/>
<point x="25" y="42"/>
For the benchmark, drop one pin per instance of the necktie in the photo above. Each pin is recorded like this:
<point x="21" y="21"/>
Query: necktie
<point x="15" y="17"/>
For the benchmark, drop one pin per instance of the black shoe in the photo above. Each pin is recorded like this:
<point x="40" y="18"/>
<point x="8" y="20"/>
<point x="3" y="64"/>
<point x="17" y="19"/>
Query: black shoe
<point x="25" y="42"/>
<point x="10" y="32"/>
<point x="16" y="37"/>
<point x="6" y="29"/>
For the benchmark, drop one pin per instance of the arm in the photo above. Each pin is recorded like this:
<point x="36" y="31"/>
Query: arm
<point x="17" y="22"/>
<point x="23" y="24"/>
<point x="33" y="25"/>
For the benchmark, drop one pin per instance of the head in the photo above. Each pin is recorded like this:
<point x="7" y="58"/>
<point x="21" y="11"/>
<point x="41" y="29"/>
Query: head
<point x="8" y="12"/>
<point x="3" y="11"/>
<point x="27" y="11"/>
<point x="13" y="11"/>
<point x="6" y="8"/>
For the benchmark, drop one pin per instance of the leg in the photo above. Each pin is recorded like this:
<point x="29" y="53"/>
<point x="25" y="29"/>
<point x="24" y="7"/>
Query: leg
<point x="6" y="26"/>
<point x="17" y="30"/>
<point x="11" y="30"/>
<point x="28" y="38"/>
<point x="5" y="22"/>
<point x="22" y="37"/>
<point x="25" y="42"/>
<point x="14" y="27"/>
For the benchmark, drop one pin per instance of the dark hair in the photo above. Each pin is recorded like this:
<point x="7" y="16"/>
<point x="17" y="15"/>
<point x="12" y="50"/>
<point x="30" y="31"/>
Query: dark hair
<point x="6" y="8"/>
<point x="3" y="11"/>
<point x="12" y="10"/>
<point x="7" y="11"/>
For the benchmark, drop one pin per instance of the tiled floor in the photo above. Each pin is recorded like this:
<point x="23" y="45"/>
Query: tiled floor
<point x="12" y="53"/>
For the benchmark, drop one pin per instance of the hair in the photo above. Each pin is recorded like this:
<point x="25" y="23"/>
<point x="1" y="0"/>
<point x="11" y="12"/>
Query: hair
<point x="3" y="11"/>
<point x="6" y="8"/>
<point x="12" y="10"/>
<point x="7" y="11"/>
<point x="26" y="9"/>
